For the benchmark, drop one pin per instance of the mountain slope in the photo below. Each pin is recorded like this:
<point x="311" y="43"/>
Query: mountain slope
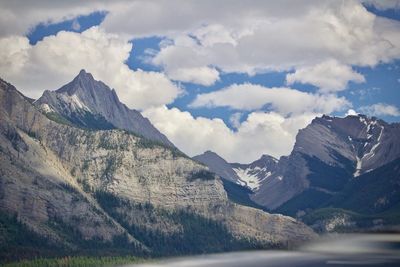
<point x="217" y="165"/>
<point x="235" y="177"/>
<point x="254" y="174"/>
<point x="92" y="104"/>
<point x="110" y="189"/>
<point x="370" y="201"/>
<point x="373" y="192"/>
<point x="329" y="153"/>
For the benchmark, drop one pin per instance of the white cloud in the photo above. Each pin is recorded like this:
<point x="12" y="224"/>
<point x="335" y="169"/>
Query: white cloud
<point x="232" y="36"/>
<point x="351" y="112"/>
<point x="328" y="76"/>
<point x="19" y="17"/>
<point x="380" y="109"/>
<point x="57" y="59"/>
<point x="260" y="133"/>
<point x="343" y="31"/>
<point x="200" y="75"/>
<point x="234" y="119"/>
<point x="282" y="100"/>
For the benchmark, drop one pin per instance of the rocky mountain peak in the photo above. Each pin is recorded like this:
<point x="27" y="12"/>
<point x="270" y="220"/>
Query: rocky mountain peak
<point x="89" y="103"/>
<point x="83" y="81"/>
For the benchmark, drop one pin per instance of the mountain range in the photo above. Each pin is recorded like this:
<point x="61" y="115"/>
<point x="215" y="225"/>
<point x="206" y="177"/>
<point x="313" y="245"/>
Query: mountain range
<point x="333" y="163"/>
<point x="83" y="174"/>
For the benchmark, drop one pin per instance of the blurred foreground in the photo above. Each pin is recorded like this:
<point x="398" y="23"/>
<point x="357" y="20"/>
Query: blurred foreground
<point x="339" y="250"/>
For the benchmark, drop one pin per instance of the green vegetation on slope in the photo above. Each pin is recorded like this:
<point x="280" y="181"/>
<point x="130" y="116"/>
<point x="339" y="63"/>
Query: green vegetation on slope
<point x="372" y="192"/>
<point x="358" y="221"/>
<point x="17" y="239"/>
<point x="369" y="200"/>
<point x="240" y="194"/>
<point x="54" y="116"/>
<point x="309" y="199"/>
<point x="172" y="232"/>
<point x="204" y="175"/>
<point x="332" y="178"/>
<point x="75" y="262"/>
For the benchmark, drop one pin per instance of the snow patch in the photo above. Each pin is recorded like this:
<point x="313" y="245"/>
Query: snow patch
<point x="46" y="108"/>
<point x="358" y="167"/>
<point x="371" y="153"/>
<point x="362" y="120"/>
<point x="248" y="179"/>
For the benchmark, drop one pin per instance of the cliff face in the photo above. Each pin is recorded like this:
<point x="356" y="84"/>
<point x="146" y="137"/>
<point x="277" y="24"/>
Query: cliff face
<point x="55" y="176"/>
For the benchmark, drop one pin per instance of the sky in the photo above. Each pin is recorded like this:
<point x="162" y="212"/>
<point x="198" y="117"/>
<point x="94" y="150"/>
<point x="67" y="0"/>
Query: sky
<point x="236" y="77"/>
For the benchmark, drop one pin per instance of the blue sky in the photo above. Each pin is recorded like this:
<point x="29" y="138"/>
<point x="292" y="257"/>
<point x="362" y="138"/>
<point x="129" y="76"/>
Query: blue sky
<point x="183" y="79"/>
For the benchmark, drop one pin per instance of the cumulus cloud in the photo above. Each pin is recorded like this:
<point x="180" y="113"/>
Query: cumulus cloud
<point x="200" y="75"/>
<point x="260" y="133"/>
<point x="343" y="31"/>
<point x="261" y="40"/>
<point x="381" y="109"/>
<point x="57" y="59"/>
<point x="328" y="76"/>
<point x="19" y="17"/>
<point x="282" y="100"/>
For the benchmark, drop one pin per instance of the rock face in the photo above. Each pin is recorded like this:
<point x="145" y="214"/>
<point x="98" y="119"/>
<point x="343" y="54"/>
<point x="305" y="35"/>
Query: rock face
<point x="218" y="165"/>
<point x="56" y="178"/>
<point x="328" y="154"/>
<point x="91" y="104"/>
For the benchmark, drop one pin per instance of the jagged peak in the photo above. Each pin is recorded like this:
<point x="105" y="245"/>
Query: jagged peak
<point x="85" y="75"/>
<point x="327" y="119"/>
<point x="80" y="81"/>
<point x="209" y="153"/>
